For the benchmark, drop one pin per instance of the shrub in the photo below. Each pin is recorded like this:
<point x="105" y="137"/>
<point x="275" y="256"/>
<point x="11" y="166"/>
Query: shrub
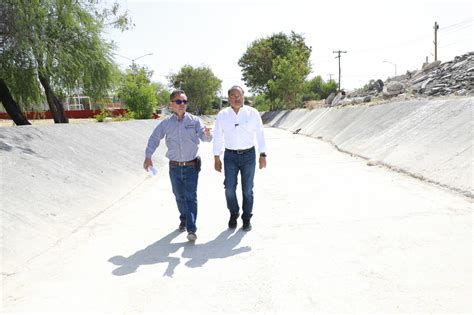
<point x="126" y="116"/>
<point x="101" y="116"/>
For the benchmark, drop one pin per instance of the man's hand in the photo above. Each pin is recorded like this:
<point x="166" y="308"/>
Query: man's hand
<point x="262" y="162"/>
<point x="217" y="163"/>
<point x="147" y="163"/>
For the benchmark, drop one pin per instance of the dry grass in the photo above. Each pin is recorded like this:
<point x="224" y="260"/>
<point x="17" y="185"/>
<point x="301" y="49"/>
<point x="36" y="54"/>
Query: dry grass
<point x="314" y="104"/>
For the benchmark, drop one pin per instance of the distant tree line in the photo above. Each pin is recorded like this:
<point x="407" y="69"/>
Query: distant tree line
<point x="49" y="49"/>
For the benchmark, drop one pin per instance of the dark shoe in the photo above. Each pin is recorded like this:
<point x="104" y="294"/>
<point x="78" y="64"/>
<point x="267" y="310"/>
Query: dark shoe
<point x="192" y="236"/>
<point x="247" y="226"/>
<point x="182" y="227"/>
<point x="233" y="220"/>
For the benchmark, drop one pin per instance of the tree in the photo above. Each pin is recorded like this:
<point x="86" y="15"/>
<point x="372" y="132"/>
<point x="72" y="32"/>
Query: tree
<point x="17" y="69"/>
<point x="289" y="83"/>
<point x="12" y="107"/>
<point x="261" y="103"/>
<point x="277" y="66"/>
<point x="317" y="88"/>
<point x="56" y="45"/>
<point x="137" y="92"/>
<point x="328" y="88"/>
<point x="199" y="84"/>
<point x="162" y="94"/>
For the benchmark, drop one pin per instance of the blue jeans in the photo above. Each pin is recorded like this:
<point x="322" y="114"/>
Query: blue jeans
<point x="245" y="164"/>
<point x="184" y="181"/>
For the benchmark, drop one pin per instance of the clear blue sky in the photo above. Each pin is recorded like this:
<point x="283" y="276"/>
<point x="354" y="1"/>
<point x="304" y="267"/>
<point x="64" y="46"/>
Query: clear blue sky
<point x="217" y="33"/>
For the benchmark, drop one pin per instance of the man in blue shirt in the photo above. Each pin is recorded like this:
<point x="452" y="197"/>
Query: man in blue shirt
<point x="182" y="132"/>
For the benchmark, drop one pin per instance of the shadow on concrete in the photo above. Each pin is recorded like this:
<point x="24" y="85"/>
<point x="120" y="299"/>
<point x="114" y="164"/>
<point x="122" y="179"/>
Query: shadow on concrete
<point x="159" y="252"/>
<point x="281" y="120"/>
<point x="269" y="116"/>
<point x="222" y="246"/>
<point x="19" y="143"/>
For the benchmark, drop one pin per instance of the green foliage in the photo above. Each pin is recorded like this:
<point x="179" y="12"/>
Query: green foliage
<point x="257" y="65"/>
<point x="313" y="89"/>
<point x="101" y="116"/>
<point x="162" y="94"/>
<point x="215" y="106"/>
<point x="126" y="116"/>
<point x="317" y="88"/>
<point x="277" y="66"/>
<point x="289" y="83"/>
<point x="17" y="65"/>
<point x="163" y="97"/>
<point x="261" y="103"/>
<point x="328" y="88"/>
<point x="62" y="41"/>
<point x="138" y="93"/>
<point x="200" y="85"/>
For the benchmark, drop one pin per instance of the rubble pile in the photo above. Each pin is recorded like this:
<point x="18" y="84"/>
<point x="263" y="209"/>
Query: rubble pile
<point x="452" y="78"/>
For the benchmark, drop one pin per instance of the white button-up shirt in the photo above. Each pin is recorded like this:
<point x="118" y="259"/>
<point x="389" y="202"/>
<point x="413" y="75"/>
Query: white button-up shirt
<point x="238" y="131"/>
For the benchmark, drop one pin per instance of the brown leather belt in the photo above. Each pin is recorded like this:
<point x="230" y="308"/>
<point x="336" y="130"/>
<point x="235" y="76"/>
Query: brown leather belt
<point x="188" y="163"/>
<point x="240" y="151"/>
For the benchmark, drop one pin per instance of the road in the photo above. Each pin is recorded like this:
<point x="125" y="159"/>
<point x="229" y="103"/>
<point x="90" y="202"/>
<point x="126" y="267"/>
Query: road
<point x="331" y="234"/>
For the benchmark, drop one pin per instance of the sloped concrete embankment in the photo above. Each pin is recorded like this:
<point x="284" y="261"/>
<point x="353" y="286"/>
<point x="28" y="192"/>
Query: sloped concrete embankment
<point x="56" y="178"/>
<point x="428" y="139"/>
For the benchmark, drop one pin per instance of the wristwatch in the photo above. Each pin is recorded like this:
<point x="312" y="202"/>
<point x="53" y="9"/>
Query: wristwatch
<point x="263" y="154"/>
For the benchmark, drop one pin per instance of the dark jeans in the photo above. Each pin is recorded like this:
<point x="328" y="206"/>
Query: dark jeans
<point x="184" y="181"/>
<point x="245" y="164"/>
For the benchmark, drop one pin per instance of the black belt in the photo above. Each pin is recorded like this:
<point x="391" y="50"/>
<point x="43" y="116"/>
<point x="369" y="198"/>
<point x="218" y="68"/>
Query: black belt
<point x="188" y="163"/>
<point x="240" y="151"/>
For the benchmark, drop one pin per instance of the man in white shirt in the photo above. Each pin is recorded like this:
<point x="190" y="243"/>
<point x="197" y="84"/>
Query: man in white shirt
<point x="237" y="127"/>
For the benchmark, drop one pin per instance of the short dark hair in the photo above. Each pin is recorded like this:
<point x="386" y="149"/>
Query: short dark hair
<point x="236" y="87"/>
<point x="176" y="93"/>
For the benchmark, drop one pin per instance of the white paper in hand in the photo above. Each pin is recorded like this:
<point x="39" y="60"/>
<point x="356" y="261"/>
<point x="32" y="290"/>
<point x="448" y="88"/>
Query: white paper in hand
<point x="153" y="170"/>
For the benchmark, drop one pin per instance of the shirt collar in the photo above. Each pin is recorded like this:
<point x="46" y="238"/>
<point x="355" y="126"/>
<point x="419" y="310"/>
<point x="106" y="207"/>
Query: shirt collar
<point x="241" y="108"/>
<point x="175" y="116"/>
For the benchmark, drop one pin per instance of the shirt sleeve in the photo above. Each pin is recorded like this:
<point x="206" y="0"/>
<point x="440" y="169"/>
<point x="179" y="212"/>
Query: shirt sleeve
<point x="217" y="144"/>
<point x="201" y="127"/>
<point x="262" y="147"/>
<point x="154" y="140"/>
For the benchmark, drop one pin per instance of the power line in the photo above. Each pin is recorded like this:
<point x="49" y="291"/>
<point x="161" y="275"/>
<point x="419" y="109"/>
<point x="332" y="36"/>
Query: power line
<point x="461" y="40"/>
<point x="454" y="28"/>
<point x="457" y="29"/>
<point x="460" y="23"/>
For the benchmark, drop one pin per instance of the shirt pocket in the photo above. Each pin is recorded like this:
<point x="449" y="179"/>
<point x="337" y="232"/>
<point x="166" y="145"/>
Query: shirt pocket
<point x="190" y="132"/>
<point x="246" y="124"/>
<point x="228" y="126"/>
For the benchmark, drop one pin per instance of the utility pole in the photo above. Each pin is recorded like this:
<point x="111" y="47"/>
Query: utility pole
<point x="436" y="27"/>
<point x="330" y="76"/>
<point x="339" y="52"/>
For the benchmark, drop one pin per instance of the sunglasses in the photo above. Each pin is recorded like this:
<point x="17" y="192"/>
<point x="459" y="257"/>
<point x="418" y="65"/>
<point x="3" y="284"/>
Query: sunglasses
<point x="179" y="102"/>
